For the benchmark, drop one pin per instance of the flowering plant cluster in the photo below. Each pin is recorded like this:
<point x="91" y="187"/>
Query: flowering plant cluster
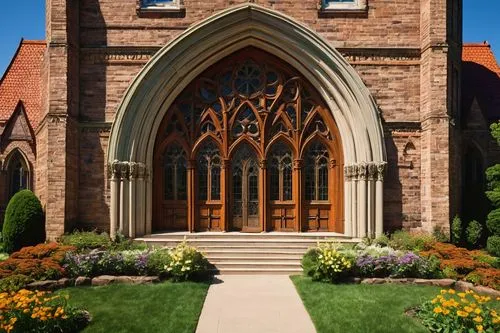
<point x="460" y="312"/>
<point x="38" y="311"/>
<point x="186" y="262"/>
<point x="329" y="263"/>
<point x="399" y="266"/>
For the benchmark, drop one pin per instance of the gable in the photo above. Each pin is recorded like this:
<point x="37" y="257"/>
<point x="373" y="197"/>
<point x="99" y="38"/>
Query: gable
<point x="18" y="127"/>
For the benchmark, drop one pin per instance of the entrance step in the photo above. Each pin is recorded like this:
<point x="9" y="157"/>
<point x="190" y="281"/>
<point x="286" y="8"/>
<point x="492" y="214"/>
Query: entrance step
<point x="240" y="253"/>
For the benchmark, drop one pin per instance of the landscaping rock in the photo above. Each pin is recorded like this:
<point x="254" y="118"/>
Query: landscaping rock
<point x="43" y="285"/>
<point x="444" y="283"/>
<point x="463" y="286"/>
<point x="400" y="281"/>
<point x="145" y="279"/>
<point x="486" y="291"/>
<point x="103" y="280"/>
<point x="83" y="281"/>
<point x="374" y="281"/>
<point x="64" y="282"/>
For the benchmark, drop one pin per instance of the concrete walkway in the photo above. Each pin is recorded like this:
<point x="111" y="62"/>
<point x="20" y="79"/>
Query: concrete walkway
<point x="254" y="303"/>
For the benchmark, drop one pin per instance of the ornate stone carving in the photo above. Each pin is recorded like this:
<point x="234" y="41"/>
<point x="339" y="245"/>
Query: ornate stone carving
<point x="133" y="169"/>
<point x="124" y="170"/>
<point x="372" y="171"/>
<point x="141" y="170"/>
<point x="362" y="169"/>
<point x="263" y="164"/>
<point x="114" y="169"/>
<point x="381" y="170"/>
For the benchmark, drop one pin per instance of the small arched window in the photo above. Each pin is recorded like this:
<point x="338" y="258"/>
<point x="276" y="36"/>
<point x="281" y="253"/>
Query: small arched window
<point x="209" y="171"/>
<point x="280" y="172"/>
<point x="174" y="171"/>
<point x="316" y="172"/>
<point x="18" y="174"/>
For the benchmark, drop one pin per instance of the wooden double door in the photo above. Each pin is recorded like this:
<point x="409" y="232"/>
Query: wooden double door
<point x="248" y="146"/>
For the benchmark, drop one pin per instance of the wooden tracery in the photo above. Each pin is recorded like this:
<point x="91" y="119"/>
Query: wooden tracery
<point x="257" y="124"/>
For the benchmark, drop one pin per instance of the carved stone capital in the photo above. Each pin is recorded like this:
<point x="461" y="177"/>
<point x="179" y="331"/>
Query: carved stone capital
<point x="141" y="170"/>
<point x="372" y="171"/>
<point x="381" y="170"/>
<point x="133" y="169"/>
<point x="362" y="171"/>
<point x="124" y="170"/>
<point x="114" y="169"/>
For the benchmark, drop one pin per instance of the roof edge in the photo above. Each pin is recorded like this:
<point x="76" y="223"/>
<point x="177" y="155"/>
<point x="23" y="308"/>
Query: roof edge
<point x="12" y="61"/>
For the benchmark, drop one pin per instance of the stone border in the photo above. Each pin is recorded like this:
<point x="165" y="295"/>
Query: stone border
<point x="444" y="283"/>
<point x="102" y="280"/>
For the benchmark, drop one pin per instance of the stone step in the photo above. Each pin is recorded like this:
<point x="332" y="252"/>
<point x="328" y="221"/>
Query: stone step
<point x="254" y="252"/>
<point x="260" y="259"/>
<point x="259" y="271"/>
<point x="256" y="264"/>
<point x="312" y="236"/>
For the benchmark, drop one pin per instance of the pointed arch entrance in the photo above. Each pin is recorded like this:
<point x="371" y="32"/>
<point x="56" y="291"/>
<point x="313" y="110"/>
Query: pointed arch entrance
<point x="151" y="96"/>
<point x="230" y="151"/>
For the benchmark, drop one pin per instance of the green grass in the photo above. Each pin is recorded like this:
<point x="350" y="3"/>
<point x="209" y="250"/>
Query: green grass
<point x="165" y="307"/>
<point x="362" y="308"/>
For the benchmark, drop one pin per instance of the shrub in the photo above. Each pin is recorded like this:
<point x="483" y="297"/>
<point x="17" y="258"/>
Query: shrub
<point x="186" y="262"/>
<point x="84" y="240"/>
<point x="329" y="263"/>
<point x="404" y="240"/>
<point x="24" y="222"/>
<point x="41" y="262"/>
<point x="37" y="311"/>
<point x="157" y="262"/>
<point x="310" y="261"/>
<point x="493" y="245"/>
<point x="440" y="235"/>
<point x="14" y="282"/>
<point x="474" y="232"/>
<point x="459" y="312"/>
<point x="382" y="240"/>
<point x="493" y="222"/>
<point x="456" y="230"/>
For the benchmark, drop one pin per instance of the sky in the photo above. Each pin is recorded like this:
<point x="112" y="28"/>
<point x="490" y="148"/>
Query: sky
<point x="20" y="20"/>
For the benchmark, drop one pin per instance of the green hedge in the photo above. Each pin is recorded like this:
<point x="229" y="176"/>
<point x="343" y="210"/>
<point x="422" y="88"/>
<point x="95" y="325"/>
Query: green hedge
<point x="24" y="223"/>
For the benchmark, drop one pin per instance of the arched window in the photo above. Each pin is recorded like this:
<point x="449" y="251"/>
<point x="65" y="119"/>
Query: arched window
<point x="175" y="177"/>
<point x="316" y="172"/>
<point x="209" y="165"/>
<point x="280" y="172"/>
<point x="18" y="174"/>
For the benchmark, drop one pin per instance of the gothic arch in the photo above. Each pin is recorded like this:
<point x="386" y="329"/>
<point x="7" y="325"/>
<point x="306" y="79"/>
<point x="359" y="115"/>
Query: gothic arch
<point x="170" y="71"/>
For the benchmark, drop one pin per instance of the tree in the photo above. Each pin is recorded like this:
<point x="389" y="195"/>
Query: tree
<point x="493" y="194"/>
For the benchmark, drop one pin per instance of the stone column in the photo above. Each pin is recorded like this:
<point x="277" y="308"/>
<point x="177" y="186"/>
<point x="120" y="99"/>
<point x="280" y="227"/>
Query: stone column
<point x="148" y="201"/>
<point x="114" y="172"/>
<point x="140" y="201"/>
<point x="362" y="174"/>
<point x="372" y="176"/>
<point x="297" y="185"/>
<point x="348" y="200"/>
<point x="132" y="199"/>
<point x="123" y="228"/>
<point x="354" y="200"/>
<point x="379" y="218"/>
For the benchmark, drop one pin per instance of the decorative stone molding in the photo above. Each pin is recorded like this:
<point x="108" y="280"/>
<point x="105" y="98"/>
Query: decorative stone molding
<point x="118" y="55"/>
<point x="365" y="171"/>
<point x="127" y="170"/>
<point x="372" y="171"/>
<point x="362" y="169"/>
<point x="389" y="56"/>
<point x="381" y="170"/>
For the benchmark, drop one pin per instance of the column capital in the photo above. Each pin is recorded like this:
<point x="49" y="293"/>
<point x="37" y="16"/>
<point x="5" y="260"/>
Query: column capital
<point x="298" y="164"/>
<point x="381" y="166"/>
<point x="372" y="171"/>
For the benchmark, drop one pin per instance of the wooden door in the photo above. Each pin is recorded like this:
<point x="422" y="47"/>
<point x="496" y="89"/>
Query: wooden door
<point x="245" y="191"/>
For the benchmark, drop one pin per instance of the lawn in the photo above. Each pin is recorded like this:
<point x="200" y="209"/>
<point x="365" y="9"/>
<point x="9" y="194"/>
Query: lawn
<point x="362" y="308"/>
<point x="165" y="307"/>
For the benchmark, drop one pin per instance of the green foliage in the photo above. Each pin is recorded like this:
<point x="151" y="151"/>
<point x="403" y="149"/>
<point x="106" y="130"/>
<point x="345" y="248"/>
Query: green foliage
<point x="14" y="282"/>
<point x="440" y="236"/>
<point x="493" y="222"/>
<point x="456" y="230"/>
<point x="406" y="241"/>
<point x="495" y="131"/>
<point x="84" y="240"/>
<point x="450" y="273"/>
<point x="4" y="256"/>
<point x="310" y="261"/>
<point x="186" y="263"/>
<point x="493" y="245"/>
<point x="488" y="259"/>
<point x="382" y="240"/>
<point x="473" y="233"/>
<point x="329" y="263"/>
<point x="460" y="312"/>
<point x="24" y="222"/>
<point x="157" y="262"/>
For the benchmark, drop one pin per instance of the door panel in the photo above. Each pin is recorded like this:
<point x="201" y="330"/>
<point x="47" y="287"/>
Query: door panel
<point x="317" y="217"/>
<point x="209" y="217"/>
<point x="282" y="217"/>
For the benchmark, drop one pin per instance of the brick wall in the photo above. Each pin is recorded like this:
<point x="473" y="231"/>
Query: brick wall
<point x="411" y="93"/>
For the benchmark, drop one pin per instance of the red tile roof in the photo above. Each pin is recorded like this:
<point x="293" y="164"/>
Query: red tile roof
<point x="22" y="82"/>
<point x="480" y="53"/>
<point x="481" y="79"/>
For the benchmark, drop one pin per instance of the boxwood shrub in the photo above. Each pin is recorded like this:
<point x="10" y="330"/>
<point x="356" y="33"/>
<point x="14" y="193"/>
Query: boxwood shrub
<point x="24" y="223"/>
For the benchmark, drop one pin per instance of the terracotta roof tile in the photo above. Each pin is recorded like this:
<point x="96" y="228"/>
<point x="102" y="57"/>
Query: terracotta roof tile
<point x="22" y="82"/>
<point x="481" y="79"/>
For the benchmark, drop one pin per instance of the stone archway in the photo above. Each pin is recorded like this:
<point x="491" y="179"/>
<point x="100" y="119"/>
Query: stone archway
<point x="173" y="68"/>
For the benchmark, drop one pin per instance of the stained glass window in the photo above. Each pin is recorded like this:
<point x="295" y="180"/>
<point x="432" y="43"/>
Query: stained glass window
<point x="316" y="172"/>
<point x="209" y="164"/>
<point x="175" y="176"/>
<point x="280" y="172"/>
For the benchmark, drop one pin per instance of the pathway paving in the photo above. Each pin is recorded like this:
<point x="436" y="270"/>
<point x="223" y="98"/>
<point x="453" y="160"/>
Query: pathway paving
<point x="254" y="303"/>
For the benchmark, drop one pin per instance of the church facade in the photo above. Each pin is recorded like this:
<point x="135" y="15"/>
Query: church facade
<point x="292" y="116"/>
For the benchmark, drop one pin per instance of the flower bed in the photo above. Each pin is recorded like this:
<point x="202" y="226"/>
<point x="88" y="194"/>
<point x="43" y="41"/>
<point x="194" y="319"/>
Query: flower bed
<point x="38" y="311"/>
<point x="460" y="312"/>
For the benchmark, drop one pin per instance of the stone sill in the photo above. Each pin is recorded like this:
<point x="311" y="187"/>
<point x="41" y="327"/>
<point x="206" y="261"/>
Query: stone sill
<point x="343" y="12"/>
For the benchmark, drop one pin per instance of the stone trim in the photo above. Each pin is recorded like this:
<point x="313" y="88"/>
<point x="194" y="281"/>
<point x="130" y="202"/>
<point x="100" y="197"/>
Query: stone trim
<point x="356" y="6"/>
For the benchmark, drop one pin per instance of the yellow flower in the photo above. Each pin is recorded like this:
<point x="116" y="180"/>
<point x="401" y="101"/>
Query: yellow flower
<point x="451" y="291"/>
<point x="462" y="313"/>
<point x="461" y="295"/>
<point x="477" y="311"/>
<point x="479" y="328"/>
<point x="478" y="319"/>
<point x="438" y="310"/>
<point x="443" y="292"/>
<point x="446" y="311"/>
<point x="468" y="309"/>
